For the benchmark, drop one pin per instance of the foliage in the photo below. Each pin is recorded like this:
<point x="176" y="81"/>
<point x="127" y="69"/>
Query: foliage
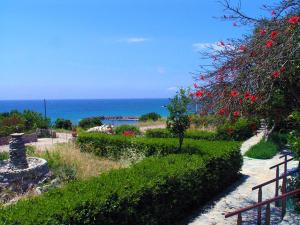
<point x="263" y="150"/>
<point x="123" y="128"/>
<point x="115" y="146"/>
<point x="26" y="121"/>
<point x="63" y="124"/>
<point x="242" y="129"/>
<point x="158" y="190"/>
<point x="4" y="155"/>
<point x="178" y="120"/>
<point x="150" y="116"/>
<point x="258" y="74"/>
<point x="279" y="138"/>
<point x="90" y="122"/>
<point x="192" y="134"/>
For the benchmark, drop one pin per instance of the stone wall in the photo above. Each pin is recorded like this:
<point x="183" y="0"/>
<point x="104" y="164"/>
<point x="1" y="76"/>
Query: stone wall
<point x="28" y="138"/>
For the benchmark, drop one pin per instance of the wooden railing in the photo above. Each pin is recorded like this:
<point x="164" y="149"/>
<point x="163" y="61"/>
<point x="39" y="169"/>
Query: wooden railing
<point x="276" y="198"/>
<point x="260" y="204"/>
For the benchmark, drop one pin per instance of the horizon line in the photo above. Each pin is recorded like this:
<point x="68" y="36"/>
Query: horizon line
<point x="62" y="99"/>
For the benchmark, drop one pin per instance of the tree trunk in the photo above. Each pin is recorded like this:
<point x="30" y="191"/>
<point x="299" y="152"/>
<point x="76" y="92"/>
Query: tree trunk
<point x="180" y="141"/>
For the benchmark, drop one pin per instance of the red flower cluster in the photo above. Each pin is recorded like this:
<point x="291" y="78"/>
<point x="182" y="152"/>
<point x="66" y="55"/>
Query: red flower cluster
<point x="199" y="93"/>
<point x="128" y="133"/>
<point x="222" y="111"/>
<point x="269" y="43"/>
<point x="262" y="31"/>
<point x="276" y="74"/>
<point x="236" y="113"/>
<point x="196" y="86"/>
<point x="243" y="48"/>
<point x="234" y="93"/>
<point x="274" y="34"/>
<point x="248" y="96"/>
<point x="294" y="19"/>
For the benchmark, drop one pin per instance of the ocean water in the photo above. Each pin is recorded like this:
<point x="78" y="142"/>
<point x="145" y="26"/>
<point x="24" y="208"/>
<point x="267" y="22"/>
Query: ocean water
<point x="78" y="109"/>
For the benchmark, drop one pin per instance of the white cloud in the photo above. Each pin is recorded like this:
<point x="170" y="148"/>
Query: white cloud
<point x="135" y="40"/>
<point x="207" y="46"/>
<point x="172" y="88"/>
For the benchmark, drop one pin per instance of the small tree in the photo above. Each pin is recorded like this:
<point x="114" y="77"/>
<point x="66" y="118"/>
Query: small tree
<point x="178" y="121"/>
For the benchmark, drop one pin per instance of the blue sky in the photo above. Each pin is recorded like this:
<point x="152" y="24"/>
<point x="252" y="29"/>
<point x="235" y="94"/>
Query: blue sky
<point x="61" y="49"/>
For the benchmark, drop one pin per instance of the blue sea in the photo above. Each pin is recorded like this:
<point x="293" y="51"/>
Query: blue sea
<point x="78" y="109"/>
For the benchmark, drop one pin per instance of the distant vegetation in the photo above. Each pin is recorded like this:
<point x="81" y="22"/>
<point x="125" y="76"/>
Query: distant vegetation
<point x="150" y="116"/>
<point x="90" y="122"/>
<point x="125" y="128"/>
<point x="26" y="121"/>
<point x="63" y="124"/>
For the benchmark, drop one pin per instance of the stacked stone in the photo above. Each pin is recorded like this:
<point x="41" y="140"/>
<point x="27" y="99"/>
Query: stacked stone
<point x="17" y="152"/>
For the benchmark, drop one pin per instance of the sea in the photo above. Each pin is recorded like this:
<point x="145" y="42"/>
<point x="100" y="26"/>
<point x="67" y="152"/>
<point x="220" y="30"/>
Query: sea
<point x="75" y="110"/>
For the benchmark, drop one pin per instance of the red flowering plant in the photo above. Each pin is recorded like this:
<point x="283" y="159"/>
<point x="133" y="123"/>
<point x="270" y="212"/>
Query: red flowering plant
<point x="128" y="133"/>
<point x="258" y="74"/>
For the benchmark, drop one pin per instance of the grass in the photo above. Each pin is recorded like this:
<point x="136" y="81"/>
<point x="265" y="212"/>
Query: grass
<point x="4" y="155"/>
<point x="263" y="150"/>
<point x="67" y="159"/>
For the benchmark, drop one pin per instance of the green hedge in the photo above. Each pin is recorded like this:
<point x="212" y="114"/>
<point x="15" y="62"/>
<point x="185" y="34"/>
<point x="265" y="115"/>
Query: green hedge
<point x="114" y="146"/>
<point x="193" y="134"/>
<point x="158" y="190"/>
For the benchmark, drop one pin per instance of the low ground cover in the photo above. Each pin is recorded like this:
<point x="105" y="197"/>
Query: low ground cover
<point x="157" y="190"/>
<point x="263" y="150"/>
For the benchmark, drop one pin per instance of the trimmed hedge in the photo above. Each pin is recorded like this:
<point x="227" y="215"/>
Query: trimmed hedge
<point x="192" y="134"/>
<point x="114" y="146"/>
<point x="158" y="190"/>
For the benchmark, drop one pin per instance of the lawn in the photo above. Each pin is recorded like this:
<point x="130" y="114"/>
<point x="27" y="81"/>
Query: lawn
<point x="263" y="150"/>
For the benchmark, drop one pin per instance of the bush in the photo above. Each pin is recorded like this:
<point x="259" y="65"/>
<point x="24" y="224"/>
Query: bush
<point x="262" y="150"/>
<point x="207" y="120"/>
<point x="123" y="128"/>
<point x="90" y="122"/>
<point x="158" y="190"/>
<point x="63" y="124"/>
<point x="278" y="138"/>
<point x="241" y="130"/>
<point x="115" y="146"/>
<point x="150" y="116"/>
<point x="192" y="134"/>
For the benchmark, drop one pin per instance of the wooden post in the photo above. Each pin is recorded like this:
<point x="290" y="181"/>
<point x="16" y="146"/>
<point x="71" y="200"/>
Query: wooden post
<point x="277" y="186"/>
<point x="268" y="214"/>
<point x="239" y="219"/>
<point x="284" y="187"/>
<point x="259" y="207"/>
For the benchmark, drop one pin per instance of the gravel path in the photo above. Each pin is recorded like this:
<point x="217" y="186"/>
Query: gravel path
<point x="240" y="194"/>
<point x="44" y="143"/>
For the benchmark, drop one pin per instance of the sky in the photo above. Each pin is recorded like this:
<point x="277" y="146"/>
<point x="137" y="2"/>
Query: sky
<point x="101" y="49"/>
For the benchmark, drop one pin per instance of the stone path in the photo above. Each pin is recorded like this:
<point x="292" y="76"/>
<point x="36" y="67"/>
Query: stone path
<point x="254" y="172"/>
<point x="44" y="143"/>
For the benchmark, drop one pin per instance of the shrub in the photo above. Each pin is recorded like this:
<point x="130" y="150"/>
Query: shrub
<point x="207" y="120"/>
<point x="63" y="124"/>
<point x="262" y="150"/>
<point x="114" y="146"/>
<point x="278" y="138"/>
<point x="192" y="134"/>
<point x="150" y="116"/>
<point x="123" y="128"/>
<point x="90" y="122"/>
<point x="158" y="190"/>
<point x="240" y="130"/>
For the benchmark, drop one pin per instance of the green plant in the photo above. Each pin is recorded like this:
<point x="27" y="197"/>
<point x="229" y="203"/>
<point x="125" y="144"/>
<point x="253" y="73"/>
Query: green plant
<point x="90" y="122"/>
<point x="4" y="155"/>
<point x="123" y="128"/>
<point x="158" y="133"/>
<point x="63" y="124"/>
<point x="178" y="120"/>
<point x="150" y="116"/>
<point x="158" y="190"/>
<point x="263" y="150"/>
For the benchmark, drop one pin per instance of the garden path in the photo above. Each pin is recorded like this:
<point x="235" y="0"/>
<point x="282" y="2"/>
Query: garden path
<point x="240" y="194"/>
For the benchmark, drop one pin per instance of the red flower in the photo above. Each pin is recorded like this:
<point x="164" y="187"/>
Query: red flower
<point x="128" y="133"/>
<point x="247" y="95"/>
<point x="294" y="19"/>
<point x="201" y="77"/>
<point x="199" y="93"/>
<point x="196" y="86"/>
<point x="222" y="111"/>
<point x="253" y="98"/>
<point x="241" y="101"/>
<point x="243" y="48"/>
<point x="273" y="12"/>
<point x="276" y="74"/>
<point x="222" y="43"/>
<point x="274" y="34"/>
<point x="234" y="93"/>
<point x="236" y="113"/>
<point x="262" y="31"/>
<point x="269" y="43"/>
<point x="282" y="69"/>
